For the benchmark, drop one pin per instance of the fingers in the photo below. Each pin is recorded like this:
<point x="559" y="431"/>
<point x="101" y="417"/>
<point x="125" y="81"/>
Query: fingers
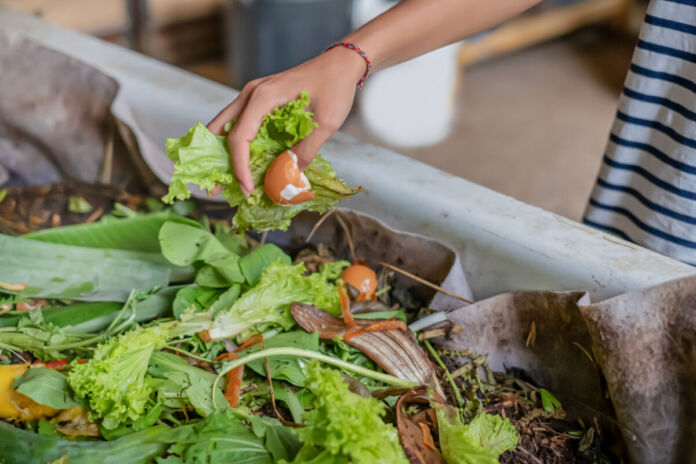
<point x="214" y="191"/>
<point x="217" y="125"/>
<point x="243" y="133"/>
<point x="308" y="147"/>
<point x="231" y="111"/>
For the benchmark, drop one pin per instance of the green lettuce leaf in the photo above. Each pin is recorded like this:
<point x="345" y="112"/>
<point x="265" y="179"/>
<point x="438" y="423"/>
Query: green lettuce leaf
<point x="254" y="263"/>
<point x="482" y="441"/>
<point x="21" y="446"/>
<point x="185" y="243"/>
<point x="46" y="386"/>
<point x="185" y="384"/>
<point x="220" y="438"/>
<point x="343" y="426"/>
<point x="138" y="232"/>
<point x="54" y="270"/>
<point x="494" y="432"/>
<point x="288" y="368"/>
<point x="268" y="302"/>
<point x="202" y="158"/>
<point x="114" y="381"/>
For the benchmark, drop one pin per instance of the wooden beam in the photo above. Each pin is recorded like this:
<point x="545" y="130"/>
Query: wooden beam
<point x="535" y="28"/>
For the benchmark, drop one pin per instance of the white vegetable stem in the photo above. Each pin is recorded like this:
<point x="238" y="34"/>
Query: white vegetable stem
<point x="384" y="378"/>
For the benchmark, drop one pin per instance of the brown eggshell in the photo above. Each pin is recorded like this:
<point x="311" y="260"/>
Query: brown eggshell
<point x="282" y="172"/>
<point x="363" y="279"/>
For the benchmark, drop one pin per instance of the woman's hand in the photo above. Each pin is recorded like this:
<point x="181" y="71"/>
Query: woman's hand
<point x="330" y="79"/>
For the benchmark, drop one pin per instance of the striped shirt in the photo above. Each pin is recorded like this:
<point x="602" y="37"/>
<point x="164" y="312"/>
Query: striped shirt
<point x="646" y="188"/>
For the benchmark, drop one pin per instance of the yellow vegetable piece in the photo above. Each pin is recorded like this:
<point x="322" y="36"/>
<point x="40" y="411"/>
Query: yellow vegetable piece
<point x="14" y="405"/>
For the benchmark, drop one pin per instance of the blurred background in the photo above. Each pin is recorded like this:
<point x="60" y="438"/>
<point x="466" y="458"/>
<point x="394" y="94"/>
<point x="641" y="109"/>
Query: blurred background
<point x="524" y="109"/>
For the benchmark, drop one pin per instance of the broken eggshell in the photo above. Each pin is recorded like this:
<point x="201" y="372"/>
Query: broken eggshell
<point x="284" y="183"/>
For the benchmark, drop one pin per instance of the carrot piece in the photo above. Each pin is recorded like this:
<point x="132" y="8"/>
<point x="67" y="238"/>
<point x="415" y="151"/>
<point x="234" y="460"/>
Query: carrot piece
<point x="234" y="377"/>
<point x="427" y="436"/>
<point x="234" y="385"/>
<point x="345" y="308"/>
<point x="355" y="333"/>
<point x="380" y="326"/>
<point x="205" y="336"/>
<point x="253" y="340"/>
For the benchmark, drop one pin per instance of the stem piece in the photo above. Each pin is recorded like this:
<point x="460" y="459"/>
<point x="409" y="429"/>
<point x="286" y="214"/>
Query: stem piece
<point x="384" y="378"/>
<point x="434" y="354"/>
<point x="424" y="282"/>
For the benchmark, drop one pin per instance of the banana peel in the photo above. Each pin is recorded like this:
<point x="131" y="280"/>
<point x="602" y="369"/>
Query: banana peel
<point x="14" y="405"/>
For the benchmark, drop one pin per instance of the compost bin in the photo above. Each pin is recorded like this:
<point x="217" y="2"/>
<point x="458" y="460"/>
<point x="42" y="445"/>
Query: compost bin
<point x="570" y="341"/>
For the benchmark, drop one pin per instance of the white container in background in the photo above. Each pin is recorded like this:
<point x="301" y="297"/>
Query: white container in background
<point x="410" y="104"/>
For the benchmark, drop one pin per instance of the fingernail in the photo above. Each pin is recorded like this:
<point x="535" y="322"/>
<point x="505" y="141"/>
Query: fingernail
<point x="245" y="192"/>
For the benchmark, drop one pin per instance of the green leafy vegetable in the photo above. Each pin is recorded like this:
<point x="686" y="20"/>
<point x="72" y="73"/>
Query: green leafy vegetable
<point x="343" y="426"/>
<point x="184" y="383"/>
<point x="493" y="432"/>
<point x="94" y="274"/>
<point x="47" y="387"/>
<point x="202" y="158"/>
<point x="183" y="244"/>
<point x="482" y="441"/>
<point x="254" y="263"/>
<point x="138" y="232"/>
<point x="279" y="440"/>
<point x="396" y="314"/>
<point x="268" y="302"/>
<point x="549" y="402"/>
<point x="96" y="316"/>
<point x="288" y="368"/>
<point x="114" y="381"/>
<point x="78" y="205"/>
<point x="221" y="438"/>
<point x="21" y="446"/>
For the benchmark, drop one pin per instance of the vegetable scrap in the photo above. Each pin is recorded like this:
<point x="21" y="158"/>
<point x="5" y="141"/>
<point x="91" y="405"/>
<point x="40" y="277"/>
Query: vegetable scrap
<point x="148" y="333"/>
<point x="203" y="159"/>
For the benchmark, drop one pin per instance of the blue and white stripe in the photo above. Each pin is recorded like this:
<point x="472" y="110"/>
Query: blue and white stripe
<point x="646" y="188"/>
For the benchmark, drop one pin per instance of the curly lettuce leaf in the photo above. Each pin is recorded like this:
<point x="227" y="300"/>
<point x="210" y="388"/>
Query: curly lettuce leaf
<point x="202" y="158"/>
<point x="114" y="381"/>
<point x="268" y="302"/>
<point x="481" y="441"/>
<point x="343" y="426"/>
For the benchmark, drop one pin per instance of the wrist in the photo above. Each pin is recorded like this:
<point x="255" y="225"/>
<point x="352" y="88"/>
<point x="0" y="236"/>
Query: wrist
<point x="354" y="62"/>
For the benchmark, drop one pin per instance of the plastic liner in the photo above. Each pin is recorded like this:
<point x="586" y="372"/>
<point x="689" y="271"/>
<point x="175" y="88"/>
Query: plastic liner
<point x="374" y="241"/>
<point x="645" y="343"/>
<point x="53" y="112"/>
<point x="56" y="121"/>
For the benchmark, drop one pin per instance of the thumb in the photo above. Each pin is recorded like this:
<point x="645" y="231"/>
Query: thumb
<point x="308" y="147"/>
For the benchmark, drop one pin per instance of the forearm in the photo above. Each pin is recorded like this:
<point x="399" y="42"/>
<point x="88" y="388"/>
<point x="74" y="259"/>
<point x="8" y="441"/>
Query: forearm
<point x="414" y="27"/>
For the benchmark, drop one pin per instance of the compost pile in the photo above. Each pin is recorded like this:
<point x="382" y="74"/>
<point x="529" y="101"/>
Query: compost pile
<point x="232" y="349"/>
<point x="135" y="330"/>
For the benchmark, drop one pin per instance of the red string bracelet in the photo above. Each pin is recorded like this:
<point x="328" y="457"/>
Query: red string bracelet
<point x="359" y="51"/>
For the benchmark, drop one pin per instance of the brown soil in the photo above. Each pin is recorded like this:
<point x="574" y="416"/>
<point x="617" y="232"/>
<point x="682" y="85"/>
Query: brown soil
<point x="32" y="208"/>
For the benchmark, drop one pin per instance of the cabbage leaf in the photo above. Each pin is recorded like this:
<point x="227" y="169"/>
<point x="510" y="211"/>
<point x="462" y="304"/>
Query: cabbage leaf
<point x="268" y="302"/>
<point x="114" y="380"/>
<point x="344" y="427"/>
<point x="481" y="441"/>
<point x="203" y="159"/>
